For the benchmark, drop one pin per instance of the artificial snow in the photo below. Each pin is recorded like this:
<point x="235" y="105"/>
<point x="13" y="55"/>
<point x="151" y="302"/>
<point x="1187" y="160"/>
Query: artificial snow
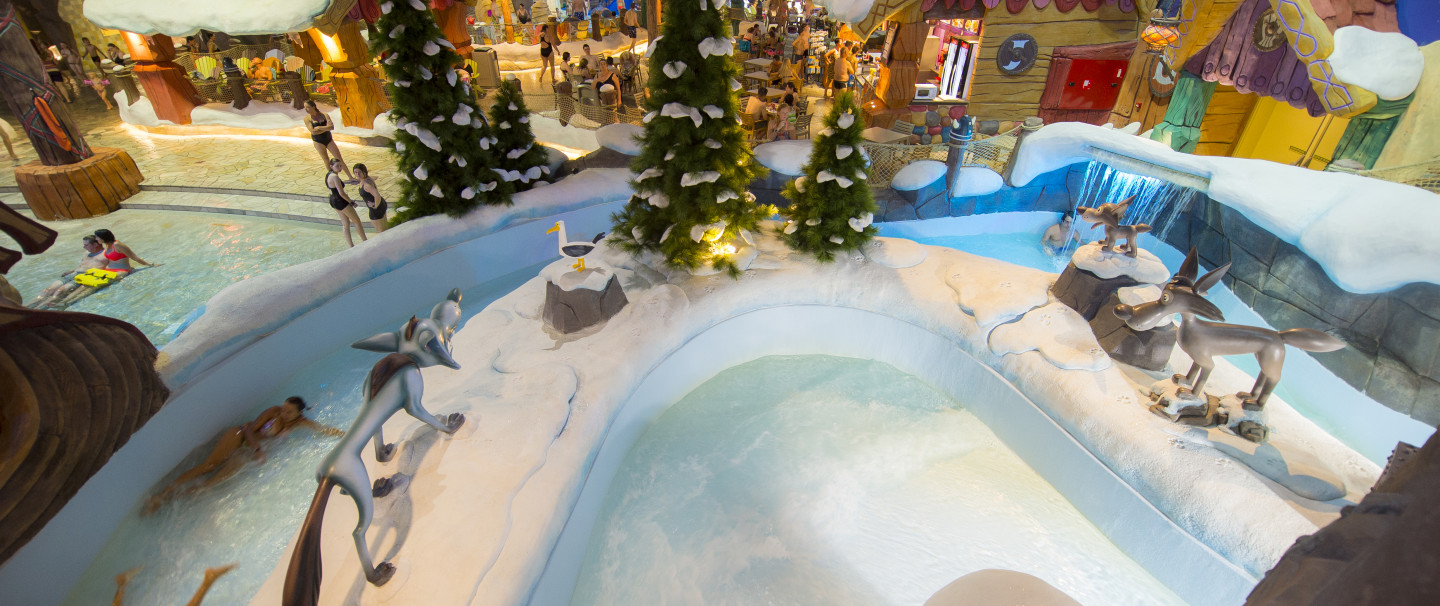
<point x="994" y="294"/>
<point x="185" y="18"/>
<point x="1145" y="267"/>
<point x="1369" y="235"/>
<point x="499" y="492"/>
<point x="976" y="181"/>
<point x="714" y="46"/>
<point x="673" y="69"/>
<point x="621" y="137"/>
<point x="708" y="176"/>
<point x="1135" y="295"/>
<point x="826" y="175"/>
<point x="1058" y="333"/>
<point x="894" y="252"/>
<point x="1388" y="64"/>
<point x="917" y="174"/>
<point x="785" y="157"/>
<point x="595" y="277"/>
<point x="258" y="115"/>
<point x="850" y="11"/>
<point x="680" y="110"/>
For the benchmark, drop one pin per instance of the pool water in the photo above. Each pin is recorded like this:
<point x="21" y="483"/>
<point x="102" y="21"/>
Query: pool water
<point x="250" y="517"/>
<point x="1019" y="248"/>
<point x="825" y="480"/>
<point x="200" y="253"/>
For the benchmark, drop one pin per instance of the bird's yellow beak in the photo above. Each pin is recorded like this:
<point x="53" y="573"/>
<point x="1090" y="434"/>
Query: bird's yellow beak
<point x="553" y="229"/>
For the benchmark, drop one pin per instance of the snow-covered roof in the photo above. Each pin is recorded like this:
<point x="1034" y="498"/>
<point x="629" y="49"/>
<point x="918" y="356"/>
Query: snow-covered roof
<point x="1369" y="235"/>
<point x="1388" y="64"/>
<point x="185" y="18"/>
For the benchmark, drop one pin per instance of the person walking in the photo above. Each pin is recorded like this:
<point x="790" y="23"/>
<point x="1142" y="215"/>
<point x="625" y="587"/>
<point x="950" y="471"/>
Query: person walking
<point x="93" y="52"/>
<point x="320" y="126"/>
<point x="548" y="42"/>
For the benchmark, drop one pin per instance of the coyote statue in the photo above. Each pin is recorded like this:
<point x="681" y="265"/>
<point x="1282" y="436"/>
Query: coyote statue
<point x="1109" y="215"/>
<point x="393" y="383"/>
<point x="1202" y="340"/>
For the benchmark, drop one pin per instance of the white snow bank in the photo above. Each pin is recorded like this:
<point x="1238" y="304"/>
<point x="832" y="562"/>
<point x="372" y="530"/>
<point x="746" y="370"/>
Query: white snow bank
<point x="244" y="311"/>
<point x="1388" y="64"/>
<point x="185" y="18"/>
<point x="1061" y="335"/>
<point x="623" y="138"/>
<point x="849" y="11"/>
<point x="918" y="174"/>
<point x="500" y="492"/>
<point x="258" y="115"/>
<point x="784" y="157"/>
<point x="976" y="181"/>
<point x="1145" y="267"/>
<point x="569" y="139"/>
<point x="993" y="294"/>
<point x="1370" y="235"/>
<point x="895" y="252"/>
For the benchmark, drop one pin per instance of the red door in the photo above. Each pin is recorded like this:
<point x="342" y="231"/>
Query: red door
<point x="1084" y="82"/>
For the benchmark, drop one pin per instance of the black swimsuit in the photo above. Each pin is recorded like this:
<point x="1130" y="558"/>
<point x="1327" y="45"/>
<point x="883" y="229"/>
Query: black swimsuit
<point x="545" y="49"/>
<point x="336" y="202"/>
<point x="377" y="211"/>
<point x="322" y="138"/>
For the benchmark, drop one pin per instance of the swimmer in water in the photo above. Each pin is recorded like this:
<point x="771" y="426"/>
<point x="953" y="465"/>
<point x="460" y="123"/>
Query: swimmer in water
<point x="273" y="422"/>
<point x="1054" y="239"/>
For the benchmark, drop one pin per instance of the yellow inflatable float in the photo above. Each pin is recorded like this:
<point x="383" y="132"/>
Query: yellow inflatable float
<point x="96" y="277"/>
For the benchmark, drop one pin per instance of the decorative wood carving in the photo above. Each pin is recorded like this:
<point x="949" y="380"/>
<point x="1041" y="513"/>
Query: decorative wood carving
<point x="170" y="92"/>
<point x="33" y="99"/>
<point x="91" y="187"/>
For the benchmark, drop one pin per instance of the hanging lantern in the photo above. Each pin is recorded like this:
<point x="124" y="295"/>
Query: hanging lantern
<point x="1160" y="33"/>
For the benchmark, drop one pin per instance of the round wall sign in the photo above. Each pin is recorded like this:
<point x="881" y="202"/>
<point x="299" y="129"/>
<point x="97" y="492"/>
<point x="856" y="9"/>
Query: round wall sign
<point x="1017" y="54"/>
<point x="1268" y="33"/>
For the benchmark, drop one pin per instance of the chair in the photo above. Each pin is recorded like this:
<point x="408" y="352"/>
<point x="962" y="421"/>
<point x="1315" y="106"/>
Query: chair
<point x="244" y="64"/>
<point x="802" y="125"/>
<point x="207" y="66"/>
<point x="904" y="128"/>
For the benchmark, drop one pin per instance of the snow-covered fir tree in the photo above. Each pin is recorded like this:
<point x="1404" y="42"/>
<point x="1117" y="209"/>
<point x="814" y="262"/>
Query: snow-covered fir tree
<point x="691" y="203"/>
<point x="519" y="157"/>
<point x="831" y="205"/>
<point x="443" y="145"/>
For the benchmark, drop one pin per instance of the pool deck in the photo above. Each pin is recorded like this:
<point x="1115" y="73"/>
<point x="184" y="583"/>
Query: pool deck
<point x="278" y="177"/>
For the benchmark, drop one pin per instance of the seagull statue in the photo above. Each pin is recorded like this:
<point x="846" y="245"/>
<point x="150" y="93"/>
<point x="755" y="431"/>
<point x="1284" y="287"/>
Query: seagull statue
<point x="574" y="250"/>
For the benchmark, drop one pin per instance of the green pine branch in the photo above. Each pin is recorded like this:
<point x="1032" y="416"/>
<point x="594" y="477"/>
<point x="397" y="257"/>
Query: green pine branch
<point x="831" y="204"/>
<point x="516" y="150"/>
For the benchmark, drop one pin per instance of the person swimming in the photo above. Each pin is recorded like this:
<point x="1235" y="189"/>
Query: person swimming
<point x="221" y="464"/>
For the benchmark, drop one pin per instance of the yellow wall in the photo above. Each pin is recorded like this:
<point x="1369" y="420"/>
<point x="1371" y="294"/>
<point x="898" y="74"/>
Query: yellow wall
<point x="1275" y="127"/>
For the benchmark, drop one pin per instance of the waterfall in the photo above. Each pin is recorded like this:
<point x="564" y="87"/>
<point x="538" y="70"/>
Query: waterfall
<point x="1157" y="201"/>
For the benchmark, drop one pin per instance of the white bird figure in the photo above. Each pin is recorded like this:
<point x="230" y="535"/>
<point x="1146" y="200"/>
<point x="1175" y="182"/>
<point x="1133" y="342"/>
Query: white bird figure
<point x="574" y="250"/>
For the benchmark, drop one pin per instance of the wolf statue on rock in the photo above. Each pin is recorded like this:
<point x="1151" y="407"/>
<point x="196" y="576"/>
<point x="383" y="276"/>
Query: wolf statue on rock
<point x="393" y="383"/>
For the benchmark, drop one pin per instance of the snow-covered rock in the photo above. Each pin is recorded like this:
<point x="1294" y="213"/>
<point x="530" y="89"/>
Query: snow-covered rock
<point x="784" y="157"/>
<point x="1135" y="295"/>
<point x="1388" y="64"/>
<point x="918" y="174"/>
<point x="1058" y="333"/>
<point x="993" y="294"/>
<point x="623" y="138"/>
<point x="895" y="252"/>
<point x="976" y="181"/>
<point x="596" y="275"/>
<point x="1145" y="267"/>
<point x="186" y="18"/>
<point x="1369" y="235"/>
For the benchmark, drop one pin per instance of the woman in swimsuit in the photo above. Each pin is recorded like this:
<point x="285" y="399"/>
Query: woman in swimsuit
<point x="273" y="422"/>
<point x="547" y="52"/>
<point x="320" y="126"/>
<point x="341" y="202"/>
<point x="370" y="193"/>
<point x="118" y="253"/>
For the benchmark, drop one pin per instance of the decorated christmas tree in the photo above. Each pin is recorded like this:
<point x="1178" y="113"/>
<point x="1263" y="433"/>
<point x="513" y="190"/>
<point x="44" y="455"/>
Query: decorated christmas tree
<point x="522" y="161"/>
<point x="690" y="201"/>
<point x="831" y="205"/>
<point x="443" y="145"/>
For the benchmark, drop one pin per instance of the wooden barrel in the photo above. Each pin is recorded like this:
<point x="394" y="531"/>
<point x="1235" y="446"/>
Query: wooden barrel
<point x="88" y="188"/>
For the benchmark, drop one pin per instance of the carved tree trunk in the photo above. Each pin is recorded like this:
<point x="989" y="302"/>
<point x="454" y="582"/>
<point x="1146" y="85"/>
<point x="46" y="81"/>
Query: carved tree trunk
<point x="452" y="24"/>
<point x="358" y="91"/>
<point x="31" y="97"/>
<point x="170" y="92"/>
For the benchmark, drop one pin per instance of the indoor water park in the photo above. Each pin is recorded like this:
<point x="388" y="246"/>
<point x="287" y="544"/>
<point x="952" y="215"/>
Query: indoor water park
<point x="959" y="302"/>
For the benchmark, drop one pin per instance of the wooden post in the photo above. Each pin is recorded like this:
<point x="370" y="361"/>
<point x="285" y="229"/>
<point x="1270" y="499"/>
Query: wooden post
<point x="357" y="86"/>
<point x="170" y="92"/>
<point x="33" y="99"/>
<point x="1032" y="124"/>
<point x="960" y="138"/>
<point x="1181" y="127"/>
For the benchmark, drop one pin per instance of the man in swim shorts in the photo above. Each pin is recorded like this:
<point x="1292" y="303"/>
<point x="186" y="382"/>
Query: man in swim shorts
<point x="58" y="290"/>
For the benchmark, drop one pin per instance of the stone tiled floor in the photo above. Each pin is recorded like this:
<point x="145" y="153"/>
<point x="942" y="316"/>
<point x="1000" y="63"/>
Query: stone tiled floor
<point x="263" y="164"/>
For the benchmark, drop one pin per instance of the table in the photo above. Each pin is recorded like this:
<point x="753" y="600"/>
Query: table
<point x="770" y="93"/>
<point x="759" y="62"/>
<point x="882" y="135"/>
<point x="762" y="76"/>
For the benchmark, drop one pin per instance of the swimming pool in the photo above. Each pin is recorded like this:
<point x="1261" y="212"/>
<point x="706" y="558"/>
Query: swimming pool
<point x="250" y="517"/>
<point x="200" y="254"/>
<point x="818" y="479"/>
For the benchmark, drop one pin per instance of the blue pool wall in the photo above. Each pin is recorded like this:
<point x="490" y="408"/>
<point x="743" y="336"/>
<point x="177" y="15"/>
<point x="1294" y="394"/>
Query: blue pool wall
<point x="45" y="569"/>
<point x="1126" y="517"/>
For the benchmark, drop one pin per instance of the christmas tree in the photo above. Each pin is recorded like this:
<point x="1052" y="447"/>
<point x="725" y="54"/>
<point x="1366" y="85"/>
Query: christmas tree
<point x="831" y="205"/>
<point x="691" y="203"/>
<point x="520" y="159"/>
<point x="443" y="145"/>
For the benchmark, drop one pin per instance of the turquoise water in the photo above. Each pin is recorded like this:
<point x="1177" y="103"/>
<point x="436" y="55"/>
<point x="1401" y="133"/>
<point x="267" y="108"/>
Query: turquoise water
<point x="823" y="480"/>
<point x="1018" y="248"/>
<point x="250" y="517"/>
<point x="200" y="253"/>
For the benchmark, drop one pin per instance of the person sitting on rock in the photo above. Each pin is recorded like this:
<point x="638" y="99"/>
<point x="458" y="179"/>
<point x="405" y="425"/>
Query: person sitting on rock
<point x="1055" y="237"/>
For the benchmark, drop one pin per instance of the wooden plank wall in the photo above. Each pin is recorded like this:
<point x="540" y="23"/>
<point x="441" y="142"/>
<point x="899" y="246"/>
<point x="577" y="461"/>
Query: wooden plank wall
<point x="1224" y="120"/>
<point x="995" y="96"/>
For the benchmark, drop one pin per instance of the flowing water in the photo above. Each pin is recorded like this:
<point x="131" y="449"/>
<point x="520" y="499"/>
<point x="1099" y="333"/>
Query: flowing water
<point x="1157" y="202"/>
